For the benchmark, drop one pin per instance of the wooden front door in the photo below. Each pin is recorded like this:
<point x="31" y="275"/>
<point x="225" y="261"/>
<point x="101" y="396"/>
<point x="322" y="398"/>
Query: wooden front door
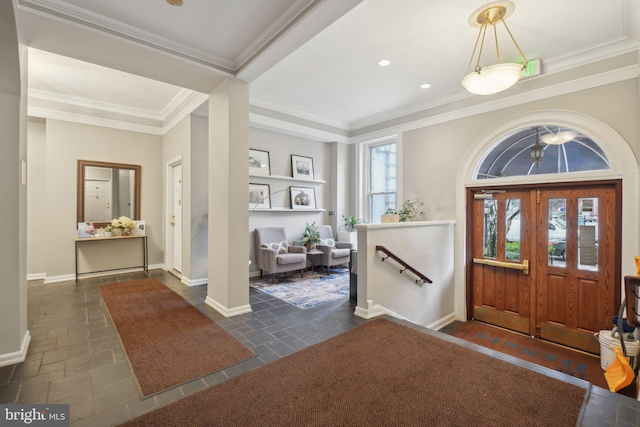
<point x="502" y="289"/>
<point x="543" y="261"/>
<point x="577" y="280"/>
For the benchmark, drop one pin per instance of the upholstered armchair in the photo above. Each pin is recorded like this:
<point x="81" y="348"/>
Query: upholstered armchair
<point x="275" y="255"/>
<point x="333" y="253"/>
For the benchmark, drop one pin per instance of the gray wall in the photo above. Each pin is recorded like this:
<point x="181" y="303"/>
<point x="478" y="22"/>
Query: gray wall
<point x="65" y="144"/>
<point x="280" y="148"/>
<point x="14" y="336"/>
<point x="432" y="155"/>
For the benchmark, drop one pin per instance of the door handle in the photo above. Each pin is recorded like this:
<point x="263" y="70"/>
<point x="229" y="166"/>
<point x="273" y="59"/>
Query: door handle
<point x="524" y="267"/>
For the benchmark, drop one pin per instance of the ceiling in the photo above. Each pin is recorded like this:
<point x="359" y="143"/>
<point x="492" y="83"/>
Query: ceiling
<point x="146" y="62"/>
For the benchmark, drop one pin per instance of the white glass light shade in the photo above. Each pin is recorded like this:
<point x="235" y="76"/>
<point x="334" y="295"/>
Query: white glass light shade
<point x="492" y="79"/>
<point x="558" y="138"/>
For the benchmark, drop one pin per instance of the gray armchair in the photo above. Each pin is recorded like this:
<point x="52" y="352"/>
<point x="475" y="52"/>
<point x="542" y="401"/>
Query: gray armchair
<point x="271" y="255"/>
<point x="333" y="253"/>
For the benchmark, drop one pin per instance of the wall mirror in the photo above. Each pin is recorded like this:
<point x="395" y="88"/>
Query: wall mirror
<point x="107" y="191"/>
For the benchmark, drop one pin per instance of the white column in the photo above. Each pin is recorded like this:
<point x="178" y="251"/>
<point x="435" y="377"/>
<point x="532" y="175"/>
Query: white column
<point x="228" y="286"/>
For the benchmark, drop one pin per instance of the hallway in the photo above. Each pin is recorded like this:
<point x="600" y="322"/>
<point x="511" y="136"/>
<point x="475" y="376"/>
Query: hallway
<point x="75" y="356"/>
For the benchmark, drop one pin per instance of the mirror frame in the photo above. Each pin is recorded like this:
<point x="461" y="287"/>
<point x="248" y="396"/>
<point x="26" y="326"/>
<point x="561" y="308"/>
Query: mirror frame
<point x="82" y="164"/>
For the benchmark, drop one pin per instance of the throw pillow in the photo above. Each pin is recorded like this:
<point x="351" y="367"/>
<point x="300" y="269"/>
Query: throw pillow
<point x="328" y="242"/>
<point x="280" y="248"/>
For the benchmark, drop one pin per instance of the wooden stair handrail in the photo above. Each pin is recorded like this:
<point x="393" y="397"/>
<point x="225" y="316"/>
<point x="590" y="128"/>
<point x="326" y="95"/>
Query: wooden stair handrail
<point x="421" y="277"/>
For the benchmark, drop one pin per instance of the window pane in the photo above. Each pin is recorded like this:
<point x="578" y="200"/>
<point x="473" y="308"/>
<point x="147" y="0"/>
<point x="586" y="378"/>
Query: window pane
<point x="383" y="168"/>
<point x="512" y="231"/>
<point x="557" y="232"/>
<point x="490" y="228"/>
<point x="511" y="156"/>
<point x="588" y="234"/>
<point x="379" y="205"/>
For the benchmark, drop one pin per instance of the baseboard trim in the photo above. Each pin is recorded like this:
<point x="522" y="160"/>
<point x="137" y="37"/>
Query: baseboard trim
<point x="18" y="356"/>
<point x="72" y="277"/>
<point x="442" y="322"/>
<point x="57" y="279"/>
<point x="372" y="310"/>
<point x="36" y="276"/>
<point x="226" y="312"/>
<point x="196" y="282"/>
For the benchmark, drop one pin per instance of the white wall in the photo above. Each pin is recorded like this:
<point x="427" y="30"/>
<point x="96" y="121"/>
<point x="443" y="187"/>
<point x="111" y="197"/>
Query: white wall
<point x="426" y="246"/>
<point x="65" y="144"/>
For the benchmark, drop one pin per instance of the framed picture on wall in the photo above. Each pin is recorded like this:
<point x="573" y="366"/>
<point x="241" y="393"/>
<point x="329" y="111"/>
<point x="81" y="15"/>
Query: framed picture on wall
<point x="259" y="196"/>
<point x="302" y="167"/>
<point x="259" y="163"/>
<point x="302" y="197"/>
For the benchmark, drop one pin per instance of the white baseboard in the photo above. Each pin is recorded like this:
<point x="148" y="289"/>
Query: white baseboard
<point x="36" y="276"/>
<point x="18" y="356"/>
<point x="226" y="312"/>
<point x="64" y="278"/>
<point x="196" y="282"/>
<point x="372" y="310"/>
<point x="72" y="277"/>
<point x="442" y="322"/>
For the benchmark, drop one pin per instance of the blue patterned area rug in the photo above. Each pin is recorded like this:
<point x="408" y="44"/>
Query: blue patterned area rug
<point x="313" y="290"/>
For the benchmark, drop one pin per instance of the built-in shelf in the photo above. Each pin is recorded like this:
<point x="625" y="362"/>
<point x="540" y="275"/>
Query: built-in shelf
<point x="287" y="210"/>
<point x="288" y="178"/>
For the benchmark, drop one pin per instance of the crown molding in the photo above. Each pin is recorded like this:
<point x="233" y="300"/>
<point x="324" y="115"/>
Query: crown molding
<point x="580" y="84"/>
<point x="64" y="12"/>
<point x="39" y="95"/>
<point x="66" y="116"/>
<point x="276" y="30"/>
<point x="285" y="109"/>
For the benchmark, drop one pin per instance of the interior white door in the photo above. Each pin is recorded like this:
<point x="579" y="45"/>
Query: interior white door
<point x="97" y="203"/>
<point x="176" y="218"/>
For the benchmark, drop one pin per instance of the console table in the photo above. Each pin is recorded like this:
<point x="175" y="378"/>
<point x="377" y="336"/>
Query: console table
<point x="145" y="252"/>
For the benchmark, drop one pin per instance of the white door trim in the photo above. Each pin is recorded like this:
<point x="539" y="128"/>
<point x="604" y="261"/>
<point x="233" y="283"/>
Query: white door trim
<point x="168" y="208"/>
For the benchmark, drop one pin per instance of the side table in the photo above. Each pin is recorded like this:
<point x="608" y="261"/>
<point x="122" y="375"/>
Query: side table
<point x="311" y="256"/>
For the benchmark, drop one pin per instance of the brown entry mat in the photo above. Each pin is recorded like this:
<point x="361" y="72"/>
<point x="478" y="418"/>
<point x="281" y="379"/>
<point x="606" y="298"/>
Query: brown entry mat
<point x="167" y="340"/>
<point x="558" y="358"/>
<point x="382" y="374"/>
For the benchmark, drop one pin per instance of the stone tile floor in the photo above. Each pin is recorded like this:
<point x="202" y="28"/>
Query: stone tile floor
<point x="75" y="356"/>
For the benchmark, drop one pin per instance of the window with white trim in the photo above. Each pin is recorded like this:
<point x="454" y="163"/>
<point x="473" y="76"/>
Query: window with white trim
<point x="382" y="179"/>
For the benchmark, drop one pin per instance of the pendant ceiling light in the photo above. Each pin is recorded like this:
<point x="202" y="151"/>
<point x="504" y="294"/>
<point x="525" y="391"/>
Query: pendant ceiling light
<point x="537" y="152"/>
<point x="559" y="138"/>
<point x="486" y="80"/>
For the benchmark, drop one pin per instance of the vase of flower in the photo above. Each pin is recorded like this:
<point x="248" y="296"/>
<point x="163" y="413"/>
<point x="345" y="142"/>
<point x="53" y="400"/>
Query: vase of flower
<point x="122" y="226"/>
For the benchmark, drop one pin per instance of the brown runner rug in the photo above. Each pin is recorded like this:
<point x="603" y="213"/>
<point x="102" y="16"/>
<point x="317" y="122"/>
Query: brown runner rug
<point x="167" y="340"/>
<point x="383" y="374"/>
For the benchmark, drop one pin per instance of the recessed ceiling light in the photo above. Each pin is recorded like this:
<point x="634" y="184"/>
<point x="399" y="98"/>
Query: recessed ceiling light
<point x="425" y="86"/>
<point x="384" y="62"/>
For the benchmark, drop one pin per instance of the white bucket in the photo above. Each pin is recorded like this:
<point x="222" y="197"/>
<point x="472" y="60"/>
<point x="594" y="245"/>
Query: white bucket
<point x="607" y="355"/>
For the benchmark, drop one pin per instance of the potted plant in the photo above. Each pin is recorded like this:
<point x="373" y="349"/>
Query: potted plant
<point x="391" y="215"/>
<point x="347" y="232"/>
<point x="108" y="231"/>
<point x="310" y="236"/>
<point x="411" y="210"/>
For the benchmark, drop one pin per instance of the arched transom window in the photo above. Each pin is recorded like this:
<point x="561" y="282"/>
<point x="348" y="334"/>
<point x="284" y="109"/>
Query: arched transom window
<point x="541" y="150"/>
